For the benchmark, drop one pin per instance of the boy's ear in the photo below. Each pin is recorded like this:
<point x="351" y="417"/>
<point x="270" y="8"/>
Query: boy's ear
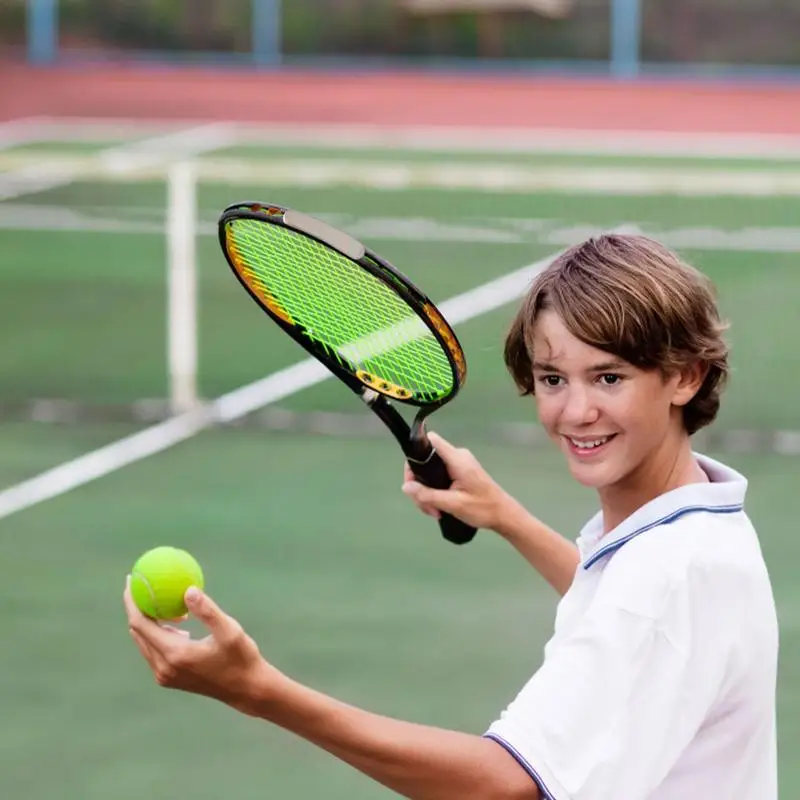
<point x="688" y="380"/>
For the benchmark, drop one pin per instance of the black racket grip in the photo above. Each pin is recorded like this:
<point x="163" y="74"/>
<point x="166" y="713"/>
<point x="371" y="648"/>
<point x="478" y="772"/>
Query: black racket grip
<point x="433" y="473"/>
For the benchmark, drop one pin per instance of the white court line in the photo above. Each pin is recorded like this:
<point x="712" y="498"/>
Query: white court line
<point x="58" y="129"/>
<point x="487" y="230"/>
<point x="125" y="158"/>
<point x="506" y="178"/>
<point x="169" y="147"/>
<point x="666" y="144"/>
<point x="18" y="131"/>
<point x="503" y="178"/>
<point x="237" y="404"/>
<point x="528" y="140"/>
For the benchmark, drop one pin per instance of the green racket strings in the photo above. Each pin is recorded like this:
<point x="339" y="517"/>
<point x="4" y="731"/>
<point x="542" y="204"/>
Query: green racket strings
<point x="351" y="314"/>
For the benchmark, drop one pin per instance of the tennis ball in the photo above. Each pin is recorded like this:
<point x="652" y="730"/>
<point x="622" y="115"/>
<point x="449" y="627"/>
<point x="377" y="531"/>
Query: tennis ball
<point x="159" y="580"/>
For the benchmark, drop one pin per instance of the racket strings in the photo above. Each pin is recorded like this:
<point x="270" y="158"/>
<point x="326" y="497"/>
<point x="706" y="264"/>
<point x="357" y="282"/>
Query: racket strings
<point x="348" y="312"/>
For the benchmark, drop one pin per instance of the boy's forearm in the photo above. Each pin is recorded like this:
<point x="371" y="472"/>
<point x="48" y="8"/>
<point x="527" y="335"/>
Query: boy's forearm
<point x="415" y="761"/>
<point x="551" y="555"/>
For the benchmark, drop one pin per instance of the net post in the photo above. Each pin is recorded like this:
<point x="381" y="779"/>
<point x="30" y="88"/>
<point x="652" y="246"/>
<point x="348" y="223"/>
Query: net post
<point x="182" y="286"/>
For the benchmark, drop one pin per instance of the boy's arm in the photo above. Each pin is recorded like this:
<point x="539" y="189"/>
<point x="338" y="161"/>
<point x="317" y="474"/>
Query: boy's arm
<point x="555" y="558"/>
<point x="415" y="761"/>
<point x="476" y="499"/>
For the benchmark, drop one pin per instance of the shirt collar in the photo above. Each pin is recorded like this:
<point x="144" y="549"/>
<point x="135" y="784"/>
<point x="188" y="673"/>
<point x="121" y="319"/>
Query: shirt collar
<point x="724" y="494"/>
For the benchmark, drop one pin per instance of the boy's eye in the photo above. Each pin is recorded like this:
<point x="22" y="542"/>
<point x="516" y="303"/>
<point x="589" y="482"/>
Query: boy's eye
<point x="609" y="379"/>
<point x="550" y="380"/>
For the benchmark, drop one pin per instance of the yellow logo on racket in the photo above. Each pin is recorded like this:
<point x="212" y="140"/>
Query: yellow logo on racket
<point x="383" y="386"/>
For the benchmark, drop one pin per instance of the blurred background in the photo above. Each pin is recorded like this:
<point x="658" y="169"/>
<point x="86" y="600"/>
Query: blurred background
<point x="564" y="34"/>
<point x="144" y="399"/>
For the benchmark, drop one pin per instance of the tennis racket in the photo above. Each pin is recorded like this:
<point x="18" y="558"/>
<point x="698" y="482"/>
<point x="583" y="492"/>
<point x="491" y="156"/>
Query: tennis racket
<point x="354" y="312"/>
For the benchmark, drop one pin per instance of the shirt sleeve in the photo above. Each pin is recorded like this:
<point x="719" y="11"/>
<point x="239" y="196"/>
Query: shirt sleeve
<point x="618" y="697"/>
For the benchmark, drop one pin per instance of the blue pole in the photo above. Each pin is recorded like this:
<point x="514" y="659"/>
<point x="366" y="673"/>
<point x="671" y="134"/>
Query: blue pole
<point x="625" y="37"/>
<point x="42" y="30"/>
<point x="267" y="39"/>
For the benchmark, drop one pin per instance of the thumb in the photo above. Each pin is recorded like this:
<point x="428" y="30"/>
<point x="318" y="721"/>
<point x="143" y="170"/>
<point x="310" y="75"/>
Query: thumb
<point x="205" y="609"/>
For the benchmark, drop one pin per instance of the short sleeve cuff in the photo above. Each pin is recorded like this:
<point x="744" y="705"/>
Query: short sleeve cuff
<point x="549" y="787"/>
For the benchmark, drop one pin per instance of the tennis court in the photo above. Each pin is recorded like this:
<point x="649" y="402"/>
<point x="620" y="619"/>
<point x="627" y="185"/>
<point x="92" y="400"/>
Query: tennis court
<point x="295" y="511"/>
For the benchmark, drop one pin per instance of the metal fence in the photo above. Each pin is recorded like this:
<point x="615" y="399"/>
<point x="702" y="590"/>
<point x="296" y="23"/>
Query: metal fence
<point x="624" y="37"/>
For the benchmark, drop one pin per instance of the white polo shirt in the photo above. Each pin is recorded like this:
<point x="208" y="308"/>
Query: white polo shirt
<point x="659" y="680"/>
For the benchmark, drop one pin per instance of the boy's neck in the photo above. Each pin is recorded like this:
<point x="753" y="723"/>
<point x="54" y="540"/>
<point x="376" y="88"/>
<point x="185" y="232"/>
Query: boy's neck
<point x="673" y="465"/>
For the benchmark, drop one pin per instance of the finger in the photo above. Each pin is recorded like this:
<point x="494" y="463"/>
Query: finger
<point x="408" y="475"/>
<point x="409" y="489"/>
<point x="412" y="488"/>
<point x="177" y="631"/>
<point x="148" y="629"/>
<point x="136" y="619"/>
<point x="144" y="648"/>
<point x="443" y="447"/>
<point x="131" y="610"/>
<point x="447" y="500"/>
<point x="207" y="611"/>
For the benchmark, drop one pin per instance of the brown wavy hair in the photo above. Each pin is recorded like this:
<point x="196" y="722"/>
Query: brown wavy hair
<point x="630" y="296"/>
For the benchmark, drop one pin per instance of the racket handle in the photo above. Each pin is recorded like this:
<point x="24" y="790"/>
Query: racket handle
<point x="433" y="473"/>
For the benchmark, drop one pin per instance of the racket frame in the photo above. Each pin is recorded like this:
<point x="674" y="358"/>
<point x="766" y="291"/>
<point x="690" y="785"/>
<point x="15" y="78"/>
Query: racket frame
<point x="412" y="438"/>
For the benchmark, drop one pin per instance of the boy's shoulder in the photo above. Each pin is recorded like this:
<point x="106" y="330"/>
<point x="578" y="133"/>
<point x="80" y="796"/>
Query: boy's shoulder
<point x="689" y="534"/>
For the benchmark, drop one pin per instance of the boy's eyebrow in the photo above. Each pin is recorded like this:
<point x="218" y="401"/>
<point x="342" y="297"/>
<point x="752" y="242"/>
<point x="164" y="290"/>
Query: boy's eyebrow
<point x="605" y="366"/>
<point x="608" y="366"/>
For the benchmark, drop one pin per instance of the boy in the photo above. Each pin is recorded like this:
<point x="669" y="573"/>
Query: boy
<point x="659" y="680"/>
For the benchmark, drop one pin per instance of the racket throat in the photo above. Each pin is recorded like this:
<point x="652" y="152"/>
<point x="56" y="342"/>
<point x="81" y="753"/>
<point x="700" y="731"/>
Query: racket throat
<point x="414" y="439"/>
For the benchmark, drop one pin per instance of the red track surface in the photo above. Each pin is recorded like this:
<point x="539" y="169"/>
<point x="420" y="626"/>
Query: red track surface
<point x="397" y="99"/>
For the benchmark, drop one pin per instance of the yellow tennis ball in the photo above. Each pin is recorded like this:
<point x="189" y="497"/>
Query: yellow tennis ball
<point x="159" y="580"/>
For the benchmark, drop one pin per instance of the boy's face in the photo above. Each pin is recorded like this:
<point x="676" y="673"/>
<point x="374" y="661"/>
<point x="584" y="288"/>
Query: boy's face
<point x="608" y="417"/>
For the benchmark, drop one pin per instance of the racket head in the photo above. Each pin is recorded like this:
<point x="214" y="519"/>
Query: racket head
<point x="347" y="306"/>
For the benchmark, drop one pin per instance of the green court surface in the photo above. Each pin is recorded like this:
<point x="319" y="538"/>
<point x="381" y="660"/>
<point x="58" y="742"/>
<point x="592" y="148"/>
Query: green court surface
<point x="91" y="278"/>
<point x="306" y="536"/>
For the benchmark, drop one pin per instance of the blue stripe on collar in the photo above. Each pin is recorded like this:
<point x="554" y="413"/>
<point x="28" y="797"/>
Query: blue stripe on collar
<point x="669" y="518"/>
